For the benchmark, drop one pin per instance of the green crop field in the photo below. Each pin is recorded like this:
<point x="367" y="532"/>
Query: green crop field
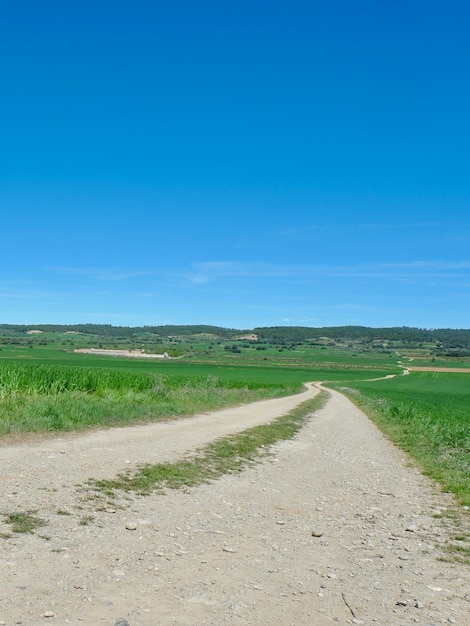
<point x="47" y="395"/>
<point x="39" y="397"/>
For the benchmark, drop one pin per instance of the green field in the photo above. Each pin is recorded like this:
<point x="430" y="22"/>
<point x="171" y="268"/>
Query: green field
<point x="46" y="395"/>
<point x="47" y="387"/>
<point x="38" y="397"/>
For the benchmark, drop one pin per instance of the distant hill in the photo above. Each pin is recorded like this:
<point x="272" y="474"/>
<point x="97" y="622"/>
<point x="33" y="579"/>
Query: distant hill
<point x="107" y="330"/>
<point x="448" y="341"/>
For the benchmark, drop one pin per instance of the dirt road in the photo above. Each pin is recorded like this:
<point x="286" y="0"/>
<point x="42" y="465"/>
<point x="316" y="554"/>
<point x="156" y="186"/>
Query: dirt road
<point x="335" y="527"/>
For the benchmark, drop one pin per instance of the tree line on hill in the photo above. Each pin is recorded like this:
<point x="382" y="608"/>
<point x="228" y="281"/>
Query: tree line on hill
<point x="120" y="332"/>
<point x="448" y="341"/>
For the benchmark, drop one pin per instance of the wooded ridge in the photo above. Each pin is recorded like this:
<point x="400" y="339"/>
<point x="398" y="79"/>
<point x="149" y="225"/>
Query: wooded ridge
<point x="445" y="338"/>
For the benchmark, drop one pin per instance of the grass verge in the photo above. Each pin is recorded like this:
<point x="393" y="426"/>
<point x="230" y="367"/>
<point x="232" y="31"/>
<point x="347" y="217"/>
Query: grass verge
<point x="222" y="456"/>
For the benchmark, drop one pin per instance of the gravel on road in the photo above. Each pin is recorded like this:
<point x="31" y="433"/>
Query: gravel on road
<point x="335" y="527"/>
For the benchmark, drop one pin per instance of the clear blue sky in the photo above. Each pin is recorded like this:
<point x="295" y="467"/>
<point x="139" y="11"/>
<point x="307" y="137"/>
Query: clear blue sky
<point x="235" y="162"/>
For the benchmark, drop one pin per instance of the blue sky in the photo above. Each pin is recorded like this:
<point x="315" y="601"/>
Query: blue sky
<point x="235" y="162"/>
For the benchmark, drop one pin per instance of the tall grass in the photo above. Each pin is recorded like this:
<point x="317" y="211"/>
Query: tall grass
<point x="36" y="398"/>
<point x="31" y="379"/>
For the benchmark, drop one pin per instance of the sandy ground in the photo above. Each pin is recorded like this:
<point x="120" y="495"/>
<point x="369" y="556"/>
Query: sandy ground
<point x="335" y="527"/>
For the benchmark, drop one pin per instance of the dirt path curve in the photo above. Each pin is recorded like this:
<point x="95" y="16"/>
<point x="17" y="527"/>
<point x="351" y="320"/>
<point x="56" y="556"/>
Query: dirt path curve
<point x="102" y="454"/>
<point x="335" y="527"/>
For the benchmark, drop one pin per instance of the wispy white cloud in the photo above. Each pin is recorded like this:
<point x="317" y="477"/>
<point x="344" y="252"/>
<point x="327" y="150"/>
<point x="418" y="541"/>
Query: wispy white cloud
<point x="349" y="306"/>
<point x="216" y="271"/>
<point x="104" y="274"/>
<point x="19" y="293"/>
<point x="315" y="229"/>
<point x="399" y="225"/>
<point x="213" y="271"/>
<point x="308" y="229"/>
